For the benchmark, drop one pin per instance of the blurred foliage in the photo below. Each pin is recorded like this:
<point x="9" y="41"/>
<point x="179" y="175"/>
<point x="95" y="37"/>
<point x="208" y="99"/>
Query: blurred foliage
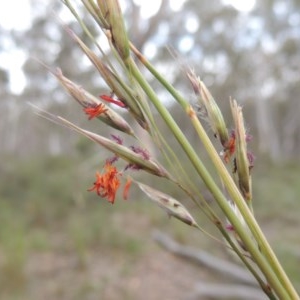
<point x="45" y="170"/>
<point x="45" y="208"/>
<point x="250" y="56"/>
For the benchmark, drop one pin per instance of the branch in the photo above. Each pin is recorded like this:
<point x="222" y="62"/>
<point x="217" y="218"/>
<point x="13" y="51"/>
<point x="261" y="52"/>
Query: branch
<point x="226" y="291"/>
<point x="204" y="259"/>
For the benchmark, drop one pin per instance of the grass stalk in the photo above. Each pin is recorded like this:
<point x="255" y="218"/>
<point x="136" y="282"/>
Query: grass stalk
<point x="244" y="209"/>
<point x="131" y="91"/>
<point x="209" y="182"/>
<point x="226" y="177"/>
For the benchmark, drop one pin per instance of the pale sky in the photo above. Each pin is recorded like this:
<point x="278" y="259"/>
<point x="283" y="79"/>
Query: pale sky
<point x="16" y="15"/>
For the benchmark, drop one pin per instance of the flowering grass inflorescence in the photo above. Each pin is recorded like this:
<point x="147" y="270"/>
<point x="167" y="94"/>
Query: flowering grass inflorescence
<point x="130" y="93"/>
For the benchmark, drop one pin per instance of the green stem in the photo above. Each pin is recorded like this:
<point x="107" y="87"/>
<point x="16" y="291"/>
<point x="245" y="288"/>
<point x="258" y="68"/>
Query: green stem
<point x="231" y="186"/>
<point x="244" y="209"/>
<point x="265" y="287"/>
<point x="252" y="248"/>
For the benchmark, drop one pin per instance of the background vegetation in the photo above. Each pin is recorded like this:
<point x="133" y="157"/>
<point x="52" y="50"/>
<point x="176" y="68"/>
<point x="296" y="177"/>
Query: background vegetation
<point x="57" y="240"/>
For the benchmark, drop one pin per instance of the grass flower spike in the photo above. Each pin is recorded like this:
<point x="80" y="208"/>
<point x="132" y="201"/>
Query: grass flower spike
<point x="242" y="157"/>
<point x="95" y="111"/>
<point x="207" y="102"/>
<point x="129" y="101"/>
<point x="117" y="27"/>
<point x="107" y="184"/>
<point x="172" y="206"/>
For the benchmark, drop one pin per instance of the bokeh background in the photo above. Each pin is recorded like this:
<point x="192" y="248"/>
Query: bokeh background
<point x="57" y="241"/>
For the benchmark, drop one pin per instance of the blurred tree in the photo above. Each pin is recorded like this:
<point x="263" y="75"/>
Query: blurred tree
<point x="251" y="56"/>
